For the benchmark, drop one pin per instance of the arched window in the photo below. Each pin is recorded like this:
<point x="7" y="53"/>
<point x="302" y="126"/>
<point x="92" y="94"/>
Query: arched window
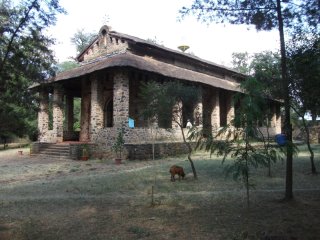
<point x="108" y="113"/>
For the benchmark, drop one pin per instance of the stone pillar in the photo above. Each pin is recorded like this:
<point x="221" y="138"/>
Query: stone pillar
<point x="120" y="98"/>
<point x="69" y="113"/>
<point x="177" y="115"/>
<point x="43" y="116"/>
<point x="230" y="107"/>
<point x="211" y="111"/>
<point x="273" y="111"/>
<point x="96" y="116"/>
<point x="198" y="110"/>
<point x="58" y="113"/>
<point x="278" y="119"/>
<point x="215" y="115"/>
<point x="85" y="111"/>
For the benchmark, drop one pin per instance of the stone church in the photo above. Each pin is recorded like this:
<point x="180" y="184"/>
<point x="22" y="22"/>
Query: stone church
<point x="108" y="79"/>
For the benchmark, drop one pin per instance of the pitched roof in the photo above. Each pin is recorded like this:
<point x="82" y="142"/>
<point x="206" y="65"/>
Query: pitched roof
<point x="144" y="63"/>
<point x="150" y="57"/>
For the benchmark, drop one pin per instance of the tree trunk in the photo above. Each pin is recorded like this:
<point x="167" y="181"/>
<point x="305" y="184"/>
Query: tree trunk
<point x="189" y="152"/>
<point x="313" y="167"/>
<point x="287" y="123"/>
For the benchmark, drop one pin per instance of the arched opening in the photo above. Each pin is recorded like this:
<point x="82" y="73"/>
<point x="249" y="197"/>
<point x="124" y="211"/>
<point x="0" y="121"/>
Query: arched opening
<point x="108" y="113"/>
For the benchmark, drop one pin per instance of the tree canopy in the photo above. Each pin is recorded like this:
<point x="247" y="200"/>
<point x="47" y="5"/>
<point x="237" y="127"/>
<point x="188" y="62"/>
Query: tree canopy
<point x="261" y="13"/>
<point x="266" y="15"/>
<point x="82" y="39"/>
<point x="25" y="58"/>
<point x="264" y="67"/>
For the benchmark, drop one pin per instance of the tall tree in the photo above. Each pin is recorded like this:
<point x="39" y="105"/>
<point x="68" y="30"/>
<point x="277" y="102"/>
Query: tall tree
<point x="25" y="58"/>
<point x="263" y="66"/>
<point x="82" y="39"/>
<point x="241" y="62"/>
<point x="304" y="70"/>
<point x="264" y="15"/>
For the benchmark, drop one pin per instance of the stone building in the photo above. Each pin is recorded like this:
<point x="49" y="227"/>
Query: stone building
<point x="111" y="71"/>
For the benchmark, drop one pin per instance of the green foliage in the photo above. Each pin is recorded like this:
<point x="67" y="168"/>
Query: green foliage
<point x="264" y="66"/>
<point x="262" y="14"/>
<point x="240" y="62"/>
<point x="242" y="140"/>
<point x="304" y="70"/>
<point x="117" y="146"/>
<point x="289" y="16"/>
<point x="82" y="39"/>
<point x="25" y="58"/>
<point x="167" y="103"/>
<point x="66" y="65"/>
<point x="160" y="101"/>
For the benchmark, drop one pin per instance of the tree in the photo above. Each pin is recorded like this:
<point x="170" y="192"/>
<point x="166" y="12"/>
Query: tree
<point x="240" y="62"/>
<point x="166" y="104"/>
<point x="66" y="65"/>
<point x="264" y="15"/>
<point x="263" y="66"/>
<point x="82" y="39"/>
<point x="25" y="58"/>
<point x="304" y="70"/>
<point x="242" y="139"/>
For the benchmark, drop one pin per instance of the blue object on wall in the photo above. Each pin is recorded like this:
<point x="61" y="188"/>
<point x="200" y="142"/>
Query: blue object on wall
<point x="131" y="123"/>
<point x="281" y="139"/>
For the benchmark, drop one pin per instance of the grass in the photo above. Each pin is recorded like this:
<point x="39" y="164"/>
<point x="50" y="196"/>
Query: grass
<point x="116" y="203"/>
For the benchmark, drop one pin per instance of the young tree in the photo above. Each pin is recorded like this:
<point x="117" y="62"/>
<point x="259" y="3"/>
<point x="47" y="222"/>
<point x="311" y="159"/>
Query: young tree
<point x="264" y="15"/>
<point x="25" y="58"/>
<point x="242" y="139"/>
<point x="165" y="103"/>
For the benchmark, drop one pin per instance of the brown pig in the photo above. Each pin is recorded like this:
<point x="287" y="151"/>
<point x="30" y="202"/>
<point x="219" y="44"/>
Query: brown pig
<point x="176" y="170"/>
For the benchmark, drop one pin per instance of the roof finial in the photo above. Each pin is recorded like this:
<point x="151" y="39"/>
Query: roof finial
<point x="183" y="48"/>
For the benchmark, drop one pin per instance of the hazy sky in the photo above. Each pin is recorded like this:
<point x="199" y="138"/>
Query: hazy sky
<point x="158" y="19"/>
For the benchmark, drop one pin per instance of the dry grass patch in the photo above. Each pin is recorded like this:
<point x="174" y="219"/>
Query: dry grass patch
<point x="99" y="200"/>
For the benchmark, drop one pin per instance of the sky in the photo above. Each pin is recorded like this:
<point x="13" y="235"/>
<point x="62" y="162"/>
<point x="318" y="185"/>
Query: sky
<point x="157" y="19"/>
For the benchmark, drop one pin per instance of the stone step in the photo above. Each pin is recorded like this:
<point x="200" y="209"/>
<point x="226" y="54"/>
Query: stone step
<point x="46" y="156"/>
<point x="55" y="151"/>
<point x="56" y="147"/>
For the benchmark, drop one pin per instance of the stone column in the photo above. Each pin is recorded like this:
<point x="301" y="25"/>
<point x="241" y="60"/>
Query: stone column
<point x="273" y="111"/>
<point x="85" y="111"/>
<point x="278" y="119"/>
<point x="211" y="111"/>
<point x="120" y="98"/>
<point x="58" y="113"/>
<point x="198" y="110"/>
<point x="43" y="116"/>
<point x="69" y="113"/>
<point x="177" y="115"/>
<point x="230" y="107"/>
<point x="215" y="115"/>
<point x="96" y="116"/>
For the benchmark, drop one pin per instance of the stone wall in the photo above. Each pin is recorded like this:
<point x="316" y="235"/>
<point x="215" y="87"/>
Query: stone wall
<point x="58" y="113"/>
<point x="105" y="44"/>
<point x="144" y="151"/>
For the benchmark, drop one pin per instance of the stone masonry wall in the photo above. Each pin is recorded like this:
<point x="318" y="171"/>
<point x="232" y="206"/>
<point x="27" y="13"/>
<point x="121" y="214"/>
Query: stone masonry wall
<point x="58" y="113"/>
<point x="105" y="44"/>
<point x="96" y="116"/>
<point x="120" y="98"/>
<point x="43" y="116"/>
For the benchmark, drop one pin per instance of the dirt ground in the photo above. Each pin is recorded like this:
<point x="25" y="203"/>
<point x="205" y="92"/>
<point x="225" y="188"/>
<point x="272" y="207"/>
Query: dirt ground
<point x="43" y="198"/>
